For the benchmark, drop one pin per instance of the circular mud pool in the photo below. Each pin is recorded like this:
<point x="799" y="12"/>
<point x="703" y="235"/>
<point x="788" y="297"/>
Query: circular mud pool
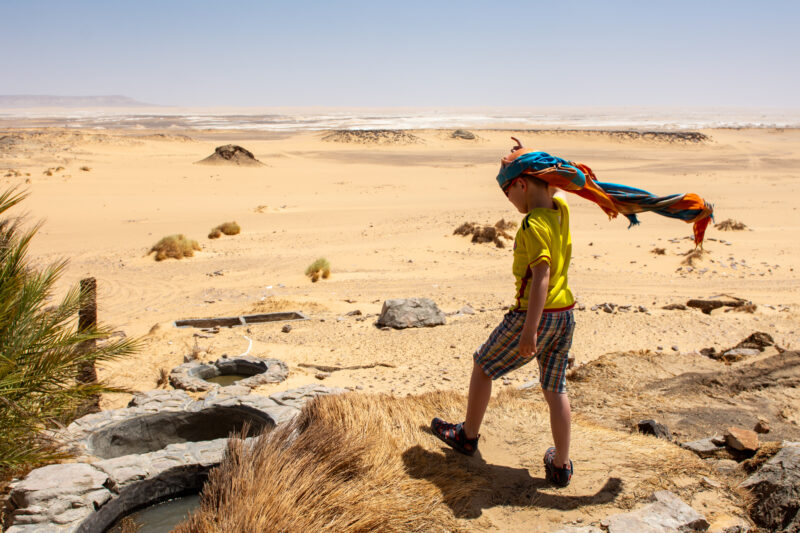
<point x="148" y="433"/>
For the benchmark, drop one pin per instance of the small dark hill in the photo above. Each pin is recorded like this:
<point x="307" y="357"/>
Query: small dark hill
<point x="231" y="154"/>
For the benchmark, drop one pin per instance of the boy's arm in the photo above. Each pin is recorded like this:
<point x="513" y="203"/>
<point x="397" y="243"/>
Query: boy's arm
<point x="540" y="279"/>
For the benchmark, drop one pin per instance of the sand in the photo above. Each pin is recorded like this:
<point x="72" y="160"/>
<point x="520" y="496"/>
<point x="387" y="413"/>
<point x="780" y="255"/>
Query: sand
<point x="384" y="216"/>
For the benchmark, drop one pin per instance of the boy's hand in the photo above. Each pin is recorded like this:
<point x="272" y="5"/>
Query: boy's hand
<point x="527" y="342"/>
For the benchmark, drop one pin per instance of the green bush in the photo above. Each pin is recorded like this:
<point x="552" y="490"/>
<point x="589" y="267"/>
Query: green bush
<point x="41" y="351"/>
<point x="320" y="267"/>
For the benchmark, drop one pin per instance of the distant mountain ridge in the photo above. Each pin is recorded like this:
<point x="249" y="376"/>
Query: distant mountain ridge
<point x="34" y="100"/>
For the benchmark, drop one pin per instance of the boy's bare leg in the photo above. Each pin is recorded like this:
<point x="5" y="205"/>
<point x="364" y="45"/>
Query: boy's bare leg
<point x="480" y="391"/>
<point x="560" y="418"/>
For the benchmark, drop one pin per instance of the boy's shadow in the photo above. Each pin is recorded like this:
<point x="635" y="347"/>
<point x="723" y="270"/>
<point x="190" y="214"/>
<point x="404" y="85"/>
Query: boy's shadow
<point x="504" y="485"/>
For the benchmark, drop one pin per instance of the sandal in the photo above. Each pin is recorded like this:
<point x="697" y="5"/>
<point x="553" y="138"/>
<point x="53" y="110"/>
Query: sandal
<point x="453" y="435"/>
<point x="554" y="474"/>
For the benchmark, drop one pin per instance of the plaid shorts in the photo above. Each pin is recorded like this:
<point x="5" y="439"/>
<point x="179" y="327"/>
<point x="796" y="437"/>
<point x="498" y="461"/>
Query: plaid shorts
<point x="499" y="355"/>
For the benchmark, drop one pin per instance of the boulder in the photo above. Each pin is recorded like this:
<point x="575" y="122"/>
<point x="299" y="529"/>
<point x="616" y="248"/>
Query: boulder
<point x="651" y="427"/>
<point x="776" y="488"/>
<point x="666" y="513"/>
<point x="410" y="313"/>
<point x="743" y="440"/>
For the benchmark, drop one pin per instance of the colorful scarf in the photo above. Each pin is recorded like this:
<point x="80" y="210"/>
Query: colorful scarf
<point x="612" y="198"/>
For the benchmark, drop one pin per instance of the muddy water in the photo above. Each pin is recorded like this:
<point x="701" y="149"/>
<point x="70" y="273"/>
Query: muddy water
<point x="162" y="517"/>
<point x="227" y="379"/>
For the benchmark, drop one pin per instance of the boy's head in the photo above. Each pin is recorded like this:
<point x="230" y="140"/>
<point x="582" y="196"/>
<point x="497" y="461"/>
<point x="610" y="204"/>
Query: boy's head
<point x="525" y="193"/>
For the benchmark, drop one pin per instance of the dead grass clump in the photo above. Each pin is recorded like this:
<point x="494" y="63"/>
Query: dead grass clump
<point x="129" y="525"/>
<point x="658" y="251"/>
<point x="764" y="454"/>
<point x="227" y="228"/>
<point x="481" y="234"/>
<point x="692" y="257"/>
<point x="162" y="379"/>
<point x="343" y="465"/>
<point x="730" y="225"/>
<point x="319" y="268"/>
<point x="502" y="225"/>
<point x="176" y="246"/>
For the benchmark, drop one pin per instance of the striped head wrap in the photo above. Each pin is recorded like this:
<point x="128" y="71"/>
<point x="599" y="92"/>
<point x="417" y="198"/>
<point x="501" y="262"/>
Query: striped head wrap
<point x="610" y="197"/>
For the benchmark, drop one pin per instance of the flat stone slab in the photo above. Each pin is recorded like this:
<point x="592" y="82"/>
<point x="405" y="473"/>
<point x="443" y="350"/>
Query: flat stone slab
<point x="297" y="398"/>
<point x="666" y="514"/>
<point x="703" y="447"/>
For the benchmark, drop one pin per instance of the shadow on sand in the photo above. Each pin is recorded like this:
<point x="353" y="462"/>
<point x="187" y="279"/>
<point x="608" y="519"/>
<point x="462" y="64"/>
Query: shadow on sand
<point x="503" y="485"/>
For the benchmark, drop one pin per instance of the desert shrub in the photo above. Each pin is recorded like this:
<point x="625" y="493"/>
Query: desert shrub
<point x="731" y="225"/>
<point x="228" y="228"/>
<point x="481" y="234"/>
<point x="177" y="246"/>
<point x="319" y="268"/>
<point x="41" y="351"/>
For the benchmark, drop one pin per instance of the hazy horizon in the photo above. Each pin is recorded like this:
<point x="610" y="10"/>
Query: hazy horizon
<point x="367" y="55"/>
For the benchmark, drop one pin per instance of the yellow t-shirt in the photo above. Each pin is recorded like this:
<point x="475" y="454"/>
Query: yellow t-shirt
<point x="544" y="236"/>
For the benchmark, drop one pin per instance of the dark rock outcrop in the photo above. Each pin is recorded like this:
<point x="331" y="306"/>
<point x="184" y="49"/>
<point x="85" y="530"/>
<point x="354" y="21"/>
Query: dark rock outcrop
<point x="231" y="154"/>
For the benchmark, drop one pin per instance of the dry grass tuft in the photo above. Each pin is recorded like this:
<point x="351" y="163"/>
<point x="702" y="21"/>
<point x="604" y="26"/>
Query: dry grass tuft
<point x="319" y="268"/>
<point x="227" y="228"/>
<point x="658" y="251"/>
<point x="730" y="225"/>
<point x="176" y="246"/>
<point x="692" y="257"/>
<point x="129" y="525"/>
<point x="764" y="454"/>
<point x="502" y="225"/>
<point x="163" y="378"/>
<point x="348" y="463"/>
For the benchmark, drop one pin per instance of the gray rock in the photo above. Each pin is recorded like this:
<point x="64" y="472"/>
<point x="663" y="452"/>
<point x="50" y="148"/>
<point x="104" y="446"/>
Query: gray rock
<point x="528" y="384"/>
<point x="579" y="529"/>
<point x="724" y="466"/>
<point x="651" y="427"/>
<point x="776" y="487"/>
<point x="740" y="353"/>
<point x="286" y="328"/>
<point x="410" y="313"/>
<point x="666" y="514"/>
<point x="703" y="447"/>
<point x="463" y="134"/>
<point x="58" y="494"/>
<point x="297" y="398"/>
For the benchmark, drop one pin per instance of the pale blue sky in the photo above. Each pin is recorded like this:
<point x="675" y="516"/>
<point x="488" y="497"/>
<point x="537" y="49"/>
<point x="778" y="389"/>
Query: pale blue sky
<point x="406" y="53"/>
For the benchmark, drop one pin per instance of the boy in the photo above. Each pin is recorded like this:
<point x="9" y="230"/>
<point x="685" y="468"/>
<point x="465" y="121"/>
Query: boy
<point x="540" y="324"/>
